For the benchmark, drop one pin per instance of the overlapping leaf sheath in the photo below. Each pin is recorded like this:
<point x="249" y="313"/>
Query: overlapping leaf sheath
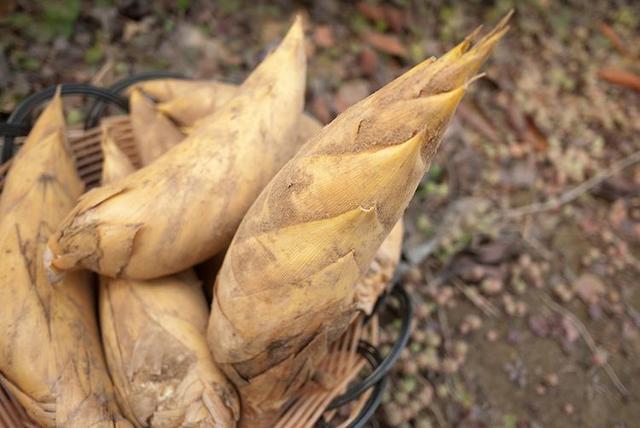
<point x="307" y="127"/>
<point x="185" y="206"/>
<point x="286" y="286"/>
<point x="154" y="338"/>
<point x="154" y="132"/>
<point x="50" y="353"/>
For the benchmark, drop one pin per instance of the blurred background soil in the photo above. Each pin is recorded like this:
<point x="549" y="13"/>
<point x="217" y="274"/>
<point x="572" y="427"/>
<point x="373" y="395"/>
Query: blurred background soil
<point x="523" y="239"/>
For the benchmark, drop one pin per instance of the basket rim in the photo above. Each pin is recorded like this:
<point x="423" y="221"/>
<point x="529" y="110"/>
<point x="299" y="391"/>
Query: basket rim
<point x="26" y="106"/>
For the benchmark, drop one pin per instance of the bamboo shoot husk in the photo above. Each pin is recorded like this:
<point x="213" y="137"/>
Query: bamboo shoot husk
<point x="307" y="127"/>
<point x="154" y="339"/>
<point x="167" y="90"/>
<point x="115" y="163"/>
<point x="153" y="131"/>
<point x="51" y="358"/>
<point x="190" y="108"/>
<point x="200" y="99"/>
<point x="286" y="288"/>
<point x="184" y="207"/>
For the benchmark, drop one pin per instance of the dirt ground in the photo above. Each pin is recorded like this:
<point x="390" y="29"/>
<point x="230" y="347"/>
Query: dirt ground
<point x="523" y="241"/>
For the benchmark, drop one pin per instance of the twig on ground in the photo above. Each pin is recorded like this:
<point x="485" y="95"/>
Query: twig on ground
<point x="586" y="336"/>
<point x="99" y="77"/>
<point x="478" y="301"/>
<point x="419" y="253"/>
<point x="574" y="193"/>
<point x="435" y="409"/>
<point x="477" y="121"/>
<point x="633" y="314"/>
<point x="538" y="247"/>
<point x="444" y="327"/>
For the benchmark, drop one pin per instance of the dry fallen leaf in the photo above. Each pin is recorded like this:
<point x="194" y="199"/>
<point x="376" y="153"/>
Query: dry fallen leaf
<point x="610" y="34"/>
<point x="620" y="77"/>
<point x="387" y="43"/>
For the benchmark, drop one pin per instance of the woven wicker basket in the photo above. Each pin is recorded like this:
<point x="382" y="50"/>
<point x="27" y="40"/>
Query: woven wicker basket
<point x="341" y="398"/>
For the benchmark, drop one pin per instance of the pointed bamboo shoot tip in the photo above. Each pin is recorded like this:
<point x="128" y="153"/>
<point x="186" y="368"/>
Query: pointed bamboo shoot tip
<point x="505" y="19"/>
<point x="296" y="30"/>
<point x="56" y="101"/>
<point x="472" y="36"/>
<point x="135" y="94"/>
<point x="496" y="32"/>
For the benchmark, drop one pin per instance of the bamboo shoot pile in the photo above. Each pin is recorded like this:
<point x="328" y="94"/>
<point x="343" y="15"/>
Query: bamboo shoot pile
<point x="310" y="219"/>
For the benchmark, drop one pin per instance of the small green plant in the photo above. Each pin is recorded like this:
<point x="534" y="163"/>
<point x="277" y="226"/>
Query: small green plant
<point x="229" y="6"/>
<point x="55" y="18"/>
<point x="59" y="17"/>
<point x="183" y="5"/>
<point x="94" y="54"/>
